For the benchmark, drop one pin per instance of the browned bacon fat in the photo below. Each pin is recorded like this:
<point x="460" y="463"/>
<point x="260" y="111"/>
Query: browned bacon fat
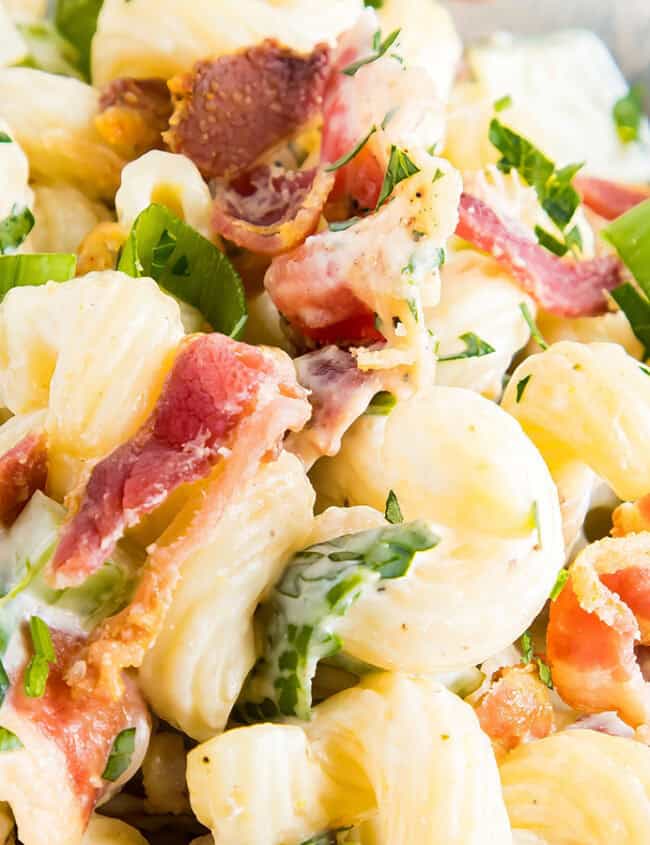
<point x="567" y="289"/>
<point x="271" y="210"/>
<point x="23" y="469"/>
<point x="66" y="739"/>
<point x="133" y="114"/>
<point x="610" y="199"/>
<point x="231" y="109"/>
<point x="225" y="405"/>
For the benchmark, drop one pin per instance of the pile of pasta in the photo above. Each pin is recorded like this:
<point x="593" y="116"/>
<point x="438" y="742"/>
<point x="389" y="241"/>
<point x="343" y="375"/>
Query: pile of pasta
<point x="324" y="502"/>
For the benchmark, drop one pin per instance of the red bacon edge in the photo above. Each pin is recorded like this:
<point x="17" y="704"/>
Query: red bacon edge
<point x="23" y="470"/>
<point x="575" y="289"/>
<point x="610" y="199"/>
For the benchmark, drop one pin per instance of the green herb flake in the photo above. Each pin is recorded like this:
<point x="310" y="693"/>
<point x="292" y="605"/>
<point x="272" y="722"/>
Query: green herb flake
<point x="526" y="646"/>
<point x="503" y="103"/>
<point x="38" y="668"/>
<point x="188" y="266"/>
<point x="561" y="580"/>
<point x="475" y="347"/>
<point x="550" y="242"/>
<point x="4" y="138"/>
<point x="437" y="176"/>
<point x="400" y="167"/>
<point x="5" y="683"/>
<point x="628" y="113"/>
<point x="379" y="47"/>
<point x="544" y="671"/>
<point x="343" y="225"/>
<point x="536" y="523"/>
<point x="521" y="387"/>
<point x="381" y="404"/>
<point x="76" y="20"/>
<point x="630" y="237"/>
<point x="392" y="511"/>
<point x="299" y="619"/>
<point x="347" y="157"/>
<point x="333" y="837"/>
<point x="532" y="325"/>
<point x="15" y="228"/>
<point x="9" y="741"/>
<point x="121" y="754"/>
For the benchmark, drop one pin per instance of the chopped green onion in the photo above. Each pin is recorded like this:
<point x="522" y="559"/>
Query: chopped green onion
<point x="532" y="325"/>
<point x="4" y="138"/>
<point x="347" y="157"/>
<point x="188" y="266"/>
<point x="561" y="580"/>
<point x="475" y="347"/>
<point x="15" y="228"/>
<point x="399" y="167"/>
<point x="48" y="50"/>
<point x="38" y="667"/>
<point x="381" y="404"/>
<point x="9" y="741"/>
<point x="380" y="48"/>
<point x="30" y="270"/>
<point x="521" y="386"/>
<point x="76" y="20"/>
<point x="550" y="242"/>
<point x="342" y="225"/>
<point x="5" y="683"/>
<point x="526" y="645"/>
<point x="121" y="754"/>
<point x="503" y="103"/>
<point x="544" y="671"/>
<point x="392" y="511"/>
<point x="627" y="113"/>
<point x="374" y="4"/>
<point x="637" y="310"/>
<point x="630" y="236"/>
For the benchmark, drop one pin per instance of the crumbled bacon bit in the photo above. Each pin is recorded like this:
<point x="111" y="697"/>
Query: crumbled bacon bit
<point x="133" y="114"/>
<point x="610" y="199"/>
<point x="23" y="470"/>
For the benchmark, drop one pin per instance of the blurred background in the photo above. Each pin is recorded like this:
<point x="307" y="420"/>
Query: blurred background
<point x="623" y="24"/>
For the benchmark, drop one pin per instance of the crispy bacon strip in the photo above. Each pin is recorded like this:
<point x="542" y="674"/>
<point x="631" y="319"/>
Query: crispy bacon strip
<point x="241" y="400"/>
<point x="339" y="393"/>
<point x="610" y="199"/>
<point x="567" y="289"/>
<point x="271" y="210"/>
<point x="229" y="110"/>
<point x="133" y="114"/>
<point x="54" y="782"/>
<point x="595" y="624"/>
<point x="517" y="708"/>
<point x="216" y="384"/>
<point x="23" y="470"/>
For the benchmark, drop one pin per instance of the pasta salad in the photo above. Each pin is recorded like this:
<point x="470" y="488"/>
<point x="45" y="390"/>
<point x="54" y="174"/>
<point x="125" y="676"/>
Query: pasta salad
<point x="324" y="504"/>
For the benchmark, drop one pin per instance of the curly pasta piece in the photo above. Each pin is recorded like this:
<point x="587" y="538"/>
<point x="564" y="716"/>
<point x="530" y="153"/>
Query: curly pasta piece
<point x="106" y="831"/>
<point x="402" y="756"/>
<point x="608" y="328"/>
<point x="52" y="119"/>
<point x="455" y="459"/>
<point x="64" y="216"/>
<point x="587" y="403"/>
<point x="479" y="297"/>
<point x="83" y="349"/>
<point x="152" y="38"/>
<point x="196" y="668"/>
<point x="169" y="179"/>
<point x="578" y="787"/>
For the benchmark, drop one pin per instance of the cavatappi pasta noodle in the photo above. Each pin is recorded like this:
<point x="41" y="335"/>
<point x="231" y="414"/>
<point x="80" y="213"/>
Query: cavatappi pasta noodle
<point x="323" y="381"/>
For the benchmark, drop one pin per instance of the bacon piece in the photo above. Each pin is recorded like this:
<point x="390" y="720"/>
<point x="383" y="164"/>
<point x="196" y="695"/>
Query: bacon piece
<point x="253" y="398"/>
<point x="567" y="289"/>
<point x="609" y="199"/>
<point x="339" y="393"/>
<point x="270" y="210"/>
<point x="133" y="114"/>
<point x="517" y="708"/>
<point x="229" y="110"/>
<point x="23" y="470"/>
<point x="595" y="624"/>
<point x="54" y="782"/>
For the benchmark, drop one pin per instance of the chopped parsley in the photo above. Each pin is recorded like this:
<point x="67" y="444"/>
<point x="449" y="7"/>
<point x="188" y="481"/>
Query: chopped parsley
<point x="119" y="759"/>
<point x="544" y="671"/>
<point x="503" y="103"/>
<point x="381" y="404"/>
<point x="528" y="657"/>
<point x="9" y="741"/>
<point x="379" y="49"/>
<point x="475" y="347"/>
<point x="400" y="167"/>
<point x="38" y="667"/>
<point x="347" y="157"/>
<point x="333" y="837"/>
<point x="4" y="138"/>
<point x="561" y="580"/>
<point x="572" y="241"/>
<point x="15" y="228"/>
<point x="532" y="325"/>
<point x="521" y="386"/>
<point x="553" y="187"/>
<point x="536" y="523"/>
<point x="5" y="683"/>
<point x="628" y="113"/>
<point x="526" y="645"/>
<point x="392" y="511"/>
